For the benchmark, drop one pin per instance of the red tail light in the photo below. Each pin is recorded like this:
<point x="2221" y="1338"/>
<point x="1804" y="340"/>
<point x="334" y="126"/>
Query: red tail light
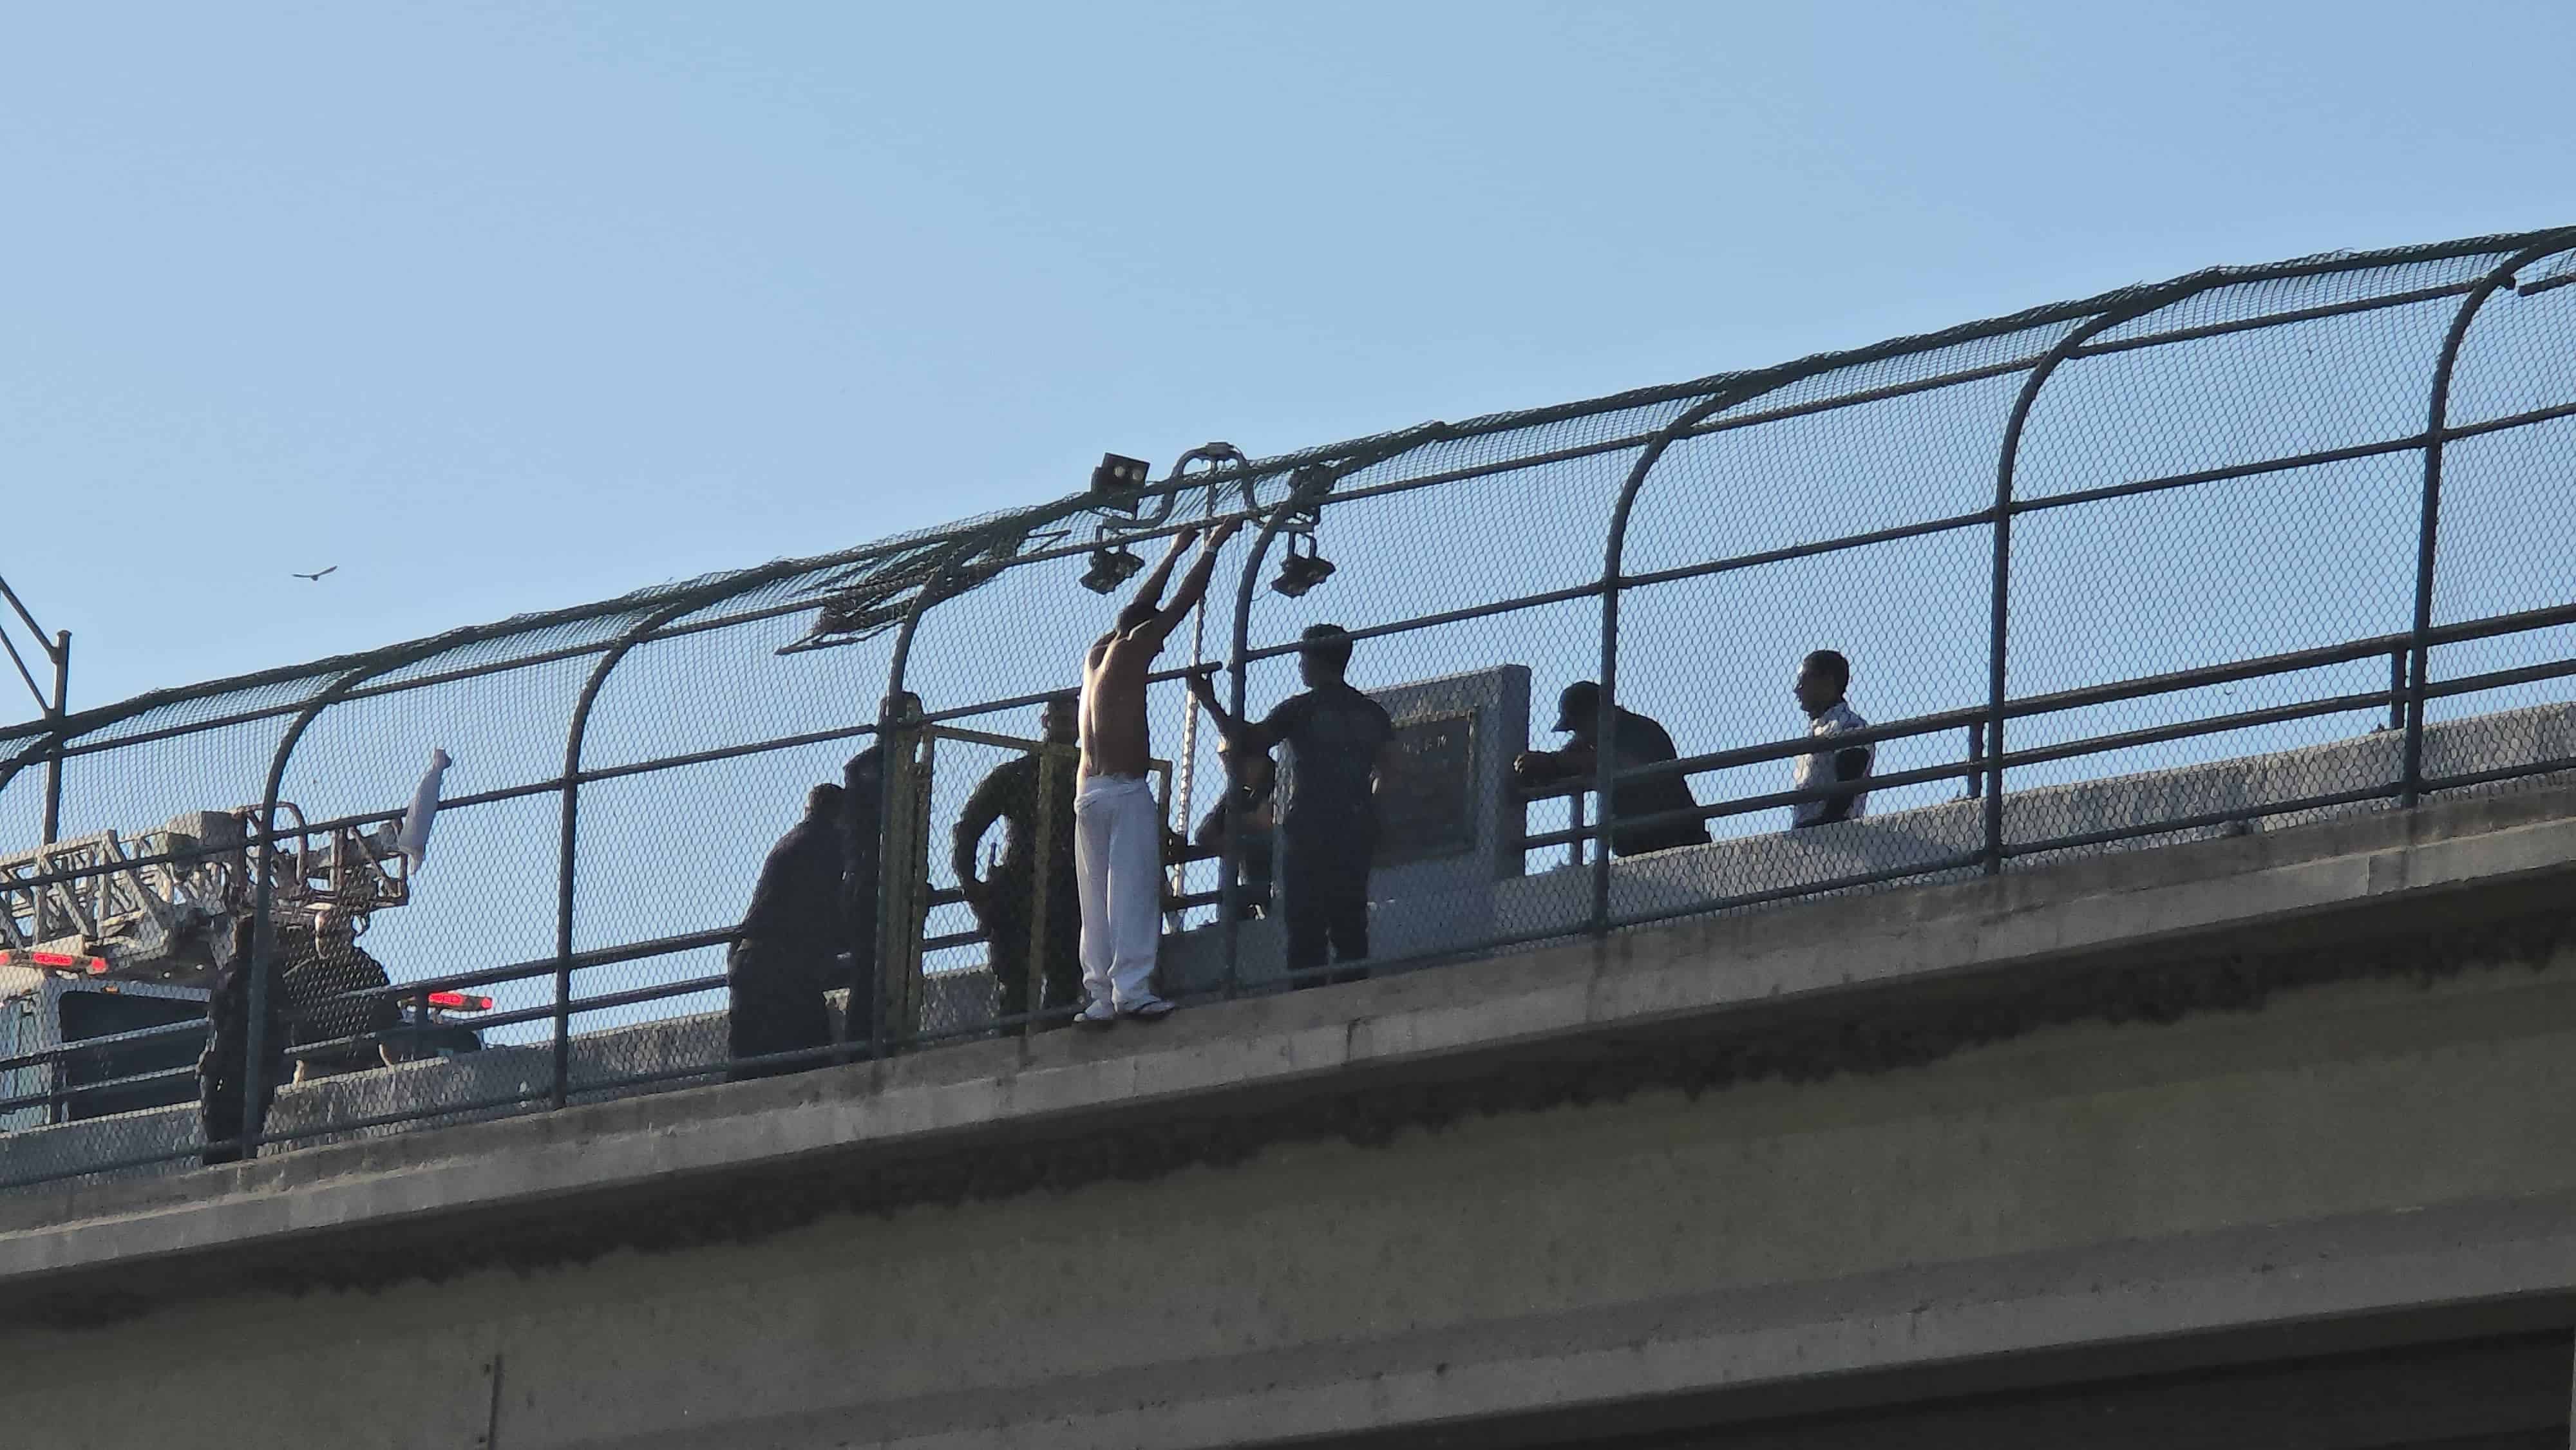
<point x="461" y="1001"/>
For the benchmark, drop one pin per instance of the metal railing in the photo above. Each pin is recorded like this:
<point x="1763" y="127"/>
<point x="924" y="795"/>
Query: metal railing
<point x="2088" y="561"/>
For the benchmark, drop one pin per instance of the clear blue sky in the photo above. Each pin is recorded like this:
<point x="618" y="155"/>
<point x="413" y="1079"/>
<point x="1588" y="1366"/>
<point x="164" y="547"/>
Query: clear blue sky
<point x="507" y="307"/>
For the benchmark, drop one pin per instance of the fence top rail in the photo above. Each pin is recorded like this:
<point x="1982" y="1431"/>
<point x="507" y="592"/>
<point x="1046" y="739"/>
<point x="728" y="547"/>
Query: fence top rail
<point x="2144" y="686"/>
<point x="910" y="560"/>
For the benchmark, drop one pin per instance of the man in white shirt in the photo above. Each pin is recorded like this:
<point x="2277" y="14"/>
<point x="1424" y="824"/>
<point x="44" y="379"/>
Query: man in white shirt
<point x="1822" y="678"/>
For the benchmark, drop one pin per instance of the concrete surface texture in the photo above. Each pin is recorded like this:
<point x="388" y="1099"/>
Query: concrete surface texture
<point x="2232" y="1100"/>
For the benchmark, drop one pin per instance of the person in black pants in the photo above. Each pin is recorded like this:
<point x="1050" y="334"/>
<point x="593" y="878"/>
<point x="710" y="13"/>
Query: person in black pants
<point x="779" y="966"/>
<point x="1336" y="738"/>
<point x="223" y="1069"/>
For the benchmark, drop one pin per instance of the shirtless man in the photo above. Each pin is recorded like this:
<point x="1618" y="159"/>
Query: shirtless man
<point x="1118" y="834"/>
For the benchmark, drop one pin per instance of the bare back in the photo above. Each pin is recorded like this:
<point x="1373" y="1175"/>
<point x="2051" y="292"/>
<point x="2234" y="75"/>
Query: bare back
<point x="1114" y="738"/>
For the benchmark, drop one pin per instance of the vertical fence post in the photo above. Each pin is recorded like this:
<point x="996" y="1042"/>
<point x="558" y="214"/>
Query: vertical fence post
<point x="1307" y="488"/>
<point x="54" y="712"/>
<point x="263" y="953"/>
<point x="2410" y="783"/>
<point x="1229" y="890"/>
<point x="1053" y="763"/>
<point x="2007" y="460"/>
<point x="568" y="854"/>
<point x="1726" y="393"/>
<point x="897" y="731"/>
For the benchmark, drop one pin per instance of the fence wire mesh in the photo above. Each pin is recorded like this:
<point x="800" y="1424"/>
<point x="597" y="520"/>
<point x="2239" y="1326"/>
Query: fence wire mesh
<point x="2197" y="558"/>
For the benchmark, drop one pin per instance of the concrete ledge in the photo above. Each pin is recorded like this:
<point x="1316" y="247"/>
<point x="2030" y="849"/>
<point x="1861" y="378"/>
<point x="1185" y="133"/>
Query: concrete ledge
<point x="1693" y="978"/>
<point x="2319" y="1287"/>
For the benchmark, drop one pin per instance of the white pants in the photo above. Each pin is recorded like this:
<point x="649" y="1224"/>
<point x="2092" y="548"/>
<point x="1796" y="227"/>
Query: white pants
<point x="1118" y="859"/>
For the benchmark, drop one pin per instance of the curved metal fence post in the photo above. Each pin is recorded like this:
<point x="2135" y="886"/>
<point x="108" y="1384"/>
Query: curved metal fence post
<point x="1185" y="764"/>
<point x="891" y="736"/>
<point x="264" y="930"/>
<point x="1999" y="581"/>
<point x="567" y="845"/>
<point x="1613" y="553"/>
<point x="51" y="740"/>
<point x="2419" y="647"/>
<point x="1229" y="891"/>
<point x="2007" y="461"/>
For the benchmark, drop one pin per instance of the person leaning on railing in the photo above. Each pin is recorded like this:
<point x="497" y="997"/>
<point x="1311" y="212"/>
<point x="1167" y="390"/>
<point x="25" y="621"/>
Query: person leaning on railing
<point x="1637" y="740"/>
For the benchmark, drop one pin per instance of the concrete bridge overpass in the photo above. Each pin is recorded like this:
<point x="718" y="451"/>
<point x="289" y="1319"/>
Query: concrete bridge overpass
<point x="2252" y="1141"/>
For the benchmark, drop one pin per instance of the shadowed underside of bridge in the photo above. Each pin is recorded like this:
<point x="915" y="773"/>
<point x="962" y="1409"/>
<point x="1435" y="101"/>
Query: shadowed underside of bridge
<point x="2258" y="1142"/>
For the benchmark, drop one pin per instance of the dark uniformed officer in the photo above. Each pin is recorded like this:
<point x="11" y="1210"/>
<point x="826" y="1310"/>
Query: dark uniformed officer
<point x="779" y="968"/>
<point x="1005" y="902"/>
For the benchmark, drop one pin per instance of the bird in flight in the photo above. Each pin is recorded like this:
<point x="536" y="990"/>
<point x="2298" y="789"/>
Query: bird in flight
<point x="332" y="570"/>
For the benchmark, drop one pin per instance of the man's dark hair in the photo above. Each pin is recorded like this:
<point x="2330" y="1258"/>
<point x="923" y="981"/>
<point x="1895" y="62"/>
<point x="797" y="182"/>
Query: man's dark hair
<point x="825" y="799"/>
<point x="1134" y="613"/>
<point x="1831" y="663"/>
<point x="1062" y="700"/>
<point x="1578" y="707"/>
<point x="1328" y="643"/>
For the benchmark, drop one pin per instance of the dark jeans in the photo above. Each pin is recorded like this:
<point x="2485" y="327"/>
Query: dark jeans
<point x="1323" y="898"/>
<point x="777" y="1006"/>
<point x="1006" y="934"/>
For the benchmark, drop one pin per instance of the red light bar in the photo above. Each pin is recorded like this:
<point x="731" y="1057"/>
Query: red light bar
<point x="461" y="1001"/>
<point x="58" y="961"/>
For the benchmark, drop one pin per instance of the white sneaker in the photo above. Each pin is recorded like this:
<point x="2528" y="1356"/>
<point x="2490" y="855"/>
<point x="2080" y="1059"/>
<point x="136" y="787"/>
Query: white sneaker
<point x="1096" y="1013"/>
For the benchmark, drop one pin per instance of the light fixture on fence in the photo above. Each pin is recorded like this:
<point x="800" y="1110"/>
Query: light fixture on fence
<point x="1116" y="482"/>
<point x="1110" y="567"/>
<point x="1301" y="572"/>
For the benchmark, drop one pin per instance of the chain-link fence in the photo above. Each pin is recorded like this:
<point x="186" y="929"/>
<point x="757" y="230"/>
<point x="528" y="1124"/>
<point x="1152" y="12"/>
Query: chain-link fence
<point x="2183" y="560"/>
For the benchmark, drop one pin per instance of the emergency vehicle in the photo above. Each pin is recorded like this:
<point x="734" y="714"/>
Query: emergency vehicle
<point x="104" y="968"/>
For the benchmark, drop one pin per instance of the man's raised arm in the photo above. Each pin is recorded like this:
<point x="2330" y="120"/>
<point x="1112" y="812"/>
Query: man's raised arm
<point x="1151" y="591"/>
<point x="1246" y="736"/>
<point x="1194" y="584"/>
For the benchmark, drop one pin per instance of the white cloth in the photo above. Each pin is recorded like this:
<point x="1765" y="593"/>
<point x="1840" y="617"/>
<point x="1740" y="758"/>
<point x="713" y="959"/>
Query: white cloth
<point x="1817" y="767"/>
<point x="1118" y="863"/>
<point x="413" y="842"/>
